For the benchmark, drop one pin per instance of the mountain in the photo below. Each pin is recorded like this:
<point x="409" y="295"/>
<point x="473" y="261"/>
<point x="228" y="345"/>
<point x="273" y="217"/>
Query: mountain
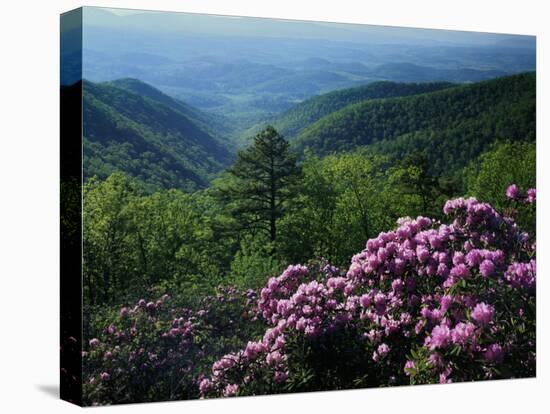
<point x="131" y="127"/>
<point x="294" y="120"/>
<point x="248" y="70"/>
<point x="452" y="125"/>
<point x="210" y="123"/>
<point x="410" y="72"/>
<point x="164" y="142"/>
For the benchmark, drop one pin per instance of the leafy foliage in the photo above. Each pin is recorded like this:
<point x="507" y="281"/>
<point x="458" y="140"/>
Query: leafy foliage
<point x="133" y="241"/>
<point x="507" y="162"/>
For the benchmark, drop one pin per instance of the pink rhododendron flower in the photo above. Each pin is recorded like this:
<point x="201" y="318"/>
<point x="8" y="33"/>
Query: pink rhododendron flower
<point x="483" y="313"/>
<point x="531" y="195"/>
<point x="230" y="390"/>
<point x="486" y="268"/>
<point x="494" y="353"/>
<point x="463" y="333"/>
<point x="383" y="350"/>
<point x="205" y="386"/>
<point x="440" y="337"/>
<point x="512" y="192"/>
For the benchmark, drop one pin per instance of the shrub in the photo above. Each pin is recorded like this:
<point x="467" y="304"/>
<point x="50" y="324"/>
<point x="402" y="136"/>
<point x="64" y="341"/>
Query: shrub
<point x="155" y="351"/>
<point x="424" y="303"/>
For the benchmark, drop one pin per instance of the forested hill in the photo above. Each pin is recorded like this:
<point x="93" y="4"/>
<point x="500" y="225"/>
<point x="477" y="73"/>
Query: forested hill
<point x="206" y="121"/>
<point x="291" y="122"/>
<point x="453" y="125"/>
<point x="134" y="128"/>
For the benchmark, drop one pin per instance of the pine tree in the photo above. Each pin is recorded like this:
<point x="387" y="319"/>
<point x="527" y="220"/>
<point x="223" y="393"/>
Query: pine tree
<point x="262" y="181"/>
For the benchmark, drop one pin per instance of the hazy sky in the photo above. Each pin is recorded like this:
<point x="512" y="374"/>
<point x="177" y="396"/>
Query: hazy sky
<point x="247" y="26"/>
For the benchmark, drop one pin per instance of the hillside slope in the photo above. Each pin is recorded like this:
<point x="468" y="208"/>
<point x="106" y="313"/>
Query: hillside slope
<point x="208" y="122"/>
<point x="149" y="136"/>
<point x="452" y="125"/>
<point x="291" y="122"/>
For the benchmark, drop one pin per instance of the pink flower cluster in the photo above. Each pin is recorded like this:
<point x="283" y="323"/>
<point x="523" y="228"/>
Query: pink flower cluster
<point x="147" y="345"/>
<point x="435" y="289"/>
<point x="522" y="275"/>
<point x="513" y="193"/>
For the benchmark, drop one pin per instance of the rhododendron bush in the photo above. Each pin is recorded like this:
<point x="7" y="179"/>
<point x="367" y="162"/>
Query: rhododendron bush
<point x="156" y="350"/>
<point x="427" y="302"/>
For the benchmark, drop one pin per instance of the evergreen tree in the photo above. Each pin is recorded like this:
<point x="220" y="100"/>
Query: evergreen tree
<point x="261" y="181"/>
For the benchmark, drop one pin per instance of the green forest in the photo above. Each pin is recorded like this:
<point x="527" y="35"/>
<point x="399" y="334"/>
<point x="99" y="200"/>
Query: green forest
<point x="166" y="203"/>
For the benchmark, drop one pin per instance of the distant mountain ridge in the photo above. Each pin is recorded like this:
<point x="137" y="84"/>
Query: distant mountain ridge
<point x="131" y="127"/>
<point x="410" y="72"/>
